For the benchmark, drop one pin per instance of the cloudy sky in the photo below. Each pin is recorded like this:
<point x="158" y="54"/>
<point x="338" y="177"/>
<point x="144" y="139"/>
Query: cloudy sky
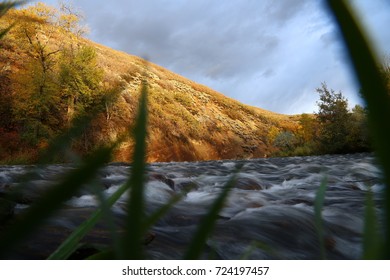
<point x="271" y="54"/>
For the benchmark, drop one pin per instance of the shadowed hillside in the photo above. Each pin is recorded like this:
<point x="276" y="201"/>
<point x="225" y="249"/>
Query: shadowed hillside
<point x="187" y="121"/>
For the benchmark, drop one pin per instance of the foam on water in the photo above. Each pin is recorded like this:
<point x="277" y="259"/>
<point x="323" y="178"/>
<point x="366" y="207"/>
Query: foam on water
<point x="83" y="201"/>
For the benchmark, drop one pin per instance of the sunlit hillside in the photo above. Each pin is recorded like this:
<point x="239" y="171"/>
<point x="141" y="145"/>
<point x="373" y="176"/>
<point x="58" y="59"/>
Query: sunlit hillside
<point x="187" y="121"/>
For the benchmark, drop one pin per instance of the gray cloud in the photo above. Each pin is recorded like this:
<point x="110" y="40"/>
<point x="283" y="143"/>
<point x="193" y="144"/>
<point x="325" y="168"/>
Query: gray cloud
<point x="216" y="42"/>
<point x="271" y="54"/>
<point x="280" y="12"/>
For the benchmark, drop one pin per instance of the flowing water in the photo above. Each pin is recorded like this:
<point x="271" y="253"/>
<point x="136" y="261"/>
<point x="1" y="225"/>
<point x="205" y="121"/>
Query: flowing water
<point x="269" y="213"/>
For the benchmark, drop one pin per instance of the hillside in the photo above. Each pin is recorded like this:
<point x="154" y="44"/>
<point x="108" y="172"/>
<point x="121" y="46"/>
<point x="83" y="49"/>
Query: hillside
<point x="187" y="121"/>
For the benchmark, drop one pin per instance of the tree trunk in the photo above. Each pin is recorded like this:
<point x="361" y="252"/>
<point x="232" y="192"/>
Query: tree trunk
<point x="70" y="111"/>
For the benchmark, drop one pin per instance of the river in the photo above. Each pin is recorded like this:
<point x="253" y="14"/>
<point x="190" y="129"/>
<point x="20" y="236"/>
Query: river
<point x="269" y="213"/>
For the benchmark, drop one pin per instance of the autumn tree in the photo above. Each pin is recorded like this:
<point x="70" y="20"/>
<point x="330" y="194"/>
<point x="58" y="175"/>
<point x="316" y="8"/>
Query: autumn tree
<point x="272" y="134"/>
<point x="358" y="137"/>
<point x="37" y="104"/>
<point x="9" y="140"/>
<point x="46" y="34"/>
<point x="4" y="8"/>
<point x="80" y="78"/>
<point x="5" y="98"/>
<point x="334" y="120"/>
<point x="58" y="78"/>
<point x="36" y="99"/>
<point x="41" y="30"/>
<point x="307" y="136"/>
<point x="69" y="19"/>
<point x="308" y="129"/>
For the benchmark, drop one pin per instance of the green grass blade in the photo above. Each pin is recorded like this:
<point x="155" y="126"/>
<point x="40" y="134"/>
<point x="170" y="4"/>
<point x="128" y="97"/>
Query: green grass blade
<point x="105" y="255"/>
<point x="374" y="92"/>
<point x="60" y="144"/>
<point x="56" y="147"/>
<point x="372" y="240"/>
<point x="206" y="226"/>
<point x="5" y="31"/>
<point x="71" y="243"/>
<point x="318" y="205"/>
<point x="4" y="7"/>
<point x="132" y="247"/>
<point x="52" y="200"/>
<point x="108" y="216"/>
<point x="159" y="213"/>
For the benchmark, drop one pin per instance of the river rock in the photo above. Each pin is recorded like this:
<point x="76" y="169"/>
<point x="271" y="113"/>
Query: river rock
<point x="186" y="186"/>
<point x="163" y="178"/>
<point x="248" y="184"/>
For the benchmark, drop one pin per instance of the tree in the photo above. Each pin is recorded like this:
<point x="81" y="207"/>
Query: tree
<point x="272" y="134"/>
<point x="37" y="104"/>
<point x="5" y="99"/>
<point x="285" y="140"/>
<point x="69" y="20"/>
<point x="334" y="119"/>
<point x="109" y="97"/>
<point x="58" y="78"/>
<point x="36" y="101"/>
<point x="4" y="8"/>
<point x="80" y="78"/>
<point x="308" y="129"/>
<point x="9" y="140"/>
<point x="46" y="35"/>
<point x="358" y="138"/>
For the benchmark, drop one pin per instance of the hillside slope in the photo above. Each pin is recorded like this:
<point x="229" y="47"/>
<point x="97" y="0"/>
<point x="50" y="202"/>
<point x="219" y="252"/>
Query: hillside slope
<point x="187" y="121"/>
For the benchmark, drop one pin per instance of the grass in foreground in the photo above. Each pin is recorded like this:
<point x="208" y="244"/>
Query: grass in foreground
<point x="377" y="100"/>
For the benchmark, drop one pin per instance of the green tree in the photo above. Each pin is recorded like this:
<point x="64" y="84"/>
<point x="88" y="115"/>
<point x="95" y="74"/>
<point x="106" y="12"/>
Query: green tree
<point x="358" y="138"/>
<point x="286" y="141"/>
<point x="37" y="104"/>
<point x="334" y="120"/>
<point x="80" y="78"/>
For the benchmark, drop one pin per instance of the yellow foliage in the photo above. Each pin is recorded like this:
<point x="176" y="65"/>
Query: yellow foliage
<point x="273" y="133"/>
